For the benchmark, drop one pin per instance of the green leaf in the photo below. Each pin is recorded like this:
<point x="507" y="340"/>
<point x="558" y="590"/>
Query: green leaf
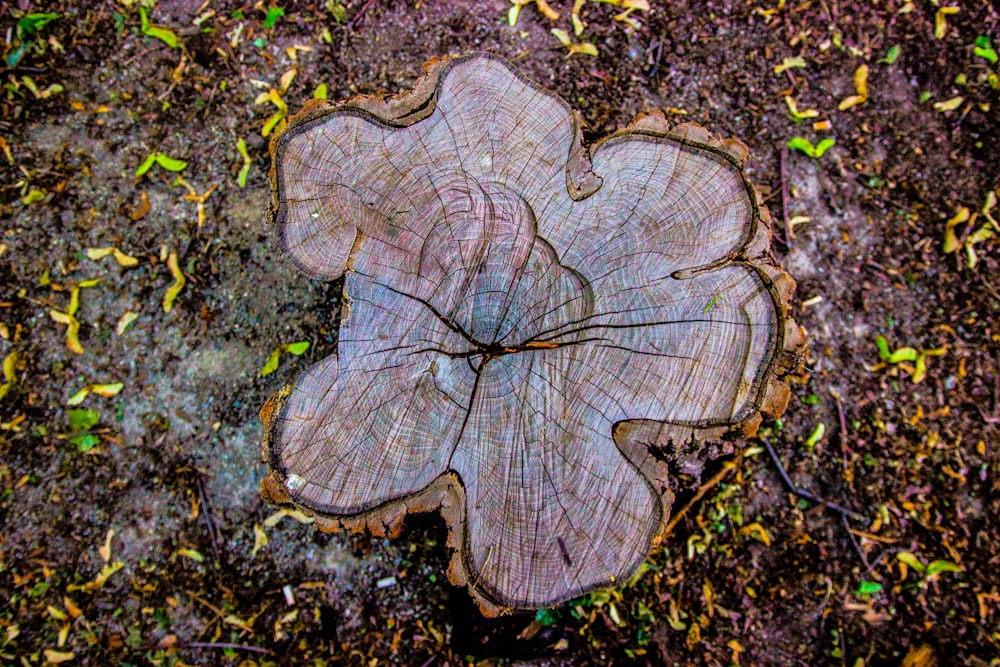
<point x="823" y="146"/>
<point x="146" y="165"/>
<point x="298" y="349"/>
<point x="271" y="364"/>
<point x="817" y="435"/>
<point x="903" y="354"/>
<point x="241" y="178"/>
<point x="806" y="146"/>
<point x="321" y="92"/>
<point x="546" y="617"/>
<point x="883" y="348"/>
<point x="78" y="397"/>
<point x="271" y="123"/>
<point x="30" y="23"/>
<point x="85" y="441"/>
<point x="33" y="197"/>
<point x="911" y="560"/>
<point x="891" y="55"/>
<point x="168" y="37"/>
<point x="169" y="163"/>
<point x="14" y="57"/>
<point x="869" y="587"/>
<point x="336" y="9"/>
<point x="984" y="49"/>
<point x="802" y="144"/>
<point x="82" y="420"/>
<point x="939" y="566"/>
<point x="273" y="14"/>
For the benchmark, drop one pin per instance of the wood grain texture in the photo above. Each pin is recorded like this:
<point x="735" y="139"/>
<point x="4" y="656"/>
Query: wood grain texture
<point x="525" y="320"/>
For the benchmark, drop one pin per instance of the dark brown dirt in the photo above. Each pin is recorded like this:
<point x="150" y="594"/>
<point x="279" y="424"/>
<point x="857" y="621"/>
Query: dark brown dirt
<point x="751" y="576"/>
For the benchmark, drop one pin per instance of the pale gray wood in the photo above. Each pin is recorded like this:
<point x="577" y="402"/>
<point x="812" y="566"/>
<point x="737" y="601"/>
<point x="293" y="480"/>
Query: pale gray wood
<point x="507" y="303"/>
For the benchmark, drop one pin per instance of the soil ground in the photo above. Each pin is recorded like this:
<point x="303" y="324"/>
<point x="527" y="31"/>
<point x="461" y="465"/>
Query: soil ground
<point x="132" y="532"/>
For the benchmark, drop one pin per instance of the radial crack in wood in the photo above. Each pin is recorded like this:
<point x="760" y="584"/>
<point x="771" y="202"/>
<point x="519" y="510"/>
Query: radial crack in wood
<point x="526" y="323"/>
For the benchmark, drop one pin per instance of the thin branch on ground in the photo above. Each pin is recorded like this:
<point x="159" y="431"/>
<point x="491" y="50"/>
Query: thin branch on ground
<point x="222" y="645"/>
<point x="802" y="493"/>
<point x="728" y="467"/>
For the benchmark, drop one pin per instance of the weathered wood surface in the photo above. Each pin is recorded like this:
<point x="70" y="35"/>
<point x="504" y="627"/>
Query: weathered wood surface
<point x="523" y="321"/>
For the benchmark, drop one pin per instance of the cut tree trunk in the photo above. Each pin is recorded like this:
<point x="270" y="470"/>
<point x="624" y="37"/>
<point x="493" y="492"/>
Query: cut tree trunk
<point x="528" y="324"/>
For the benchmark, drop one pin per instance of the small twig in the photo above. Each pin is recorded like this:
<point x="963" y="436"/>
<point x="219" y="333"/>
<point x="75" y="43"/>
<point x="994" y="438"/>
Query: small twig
<point x="28" y="69"/>
<point x="843" y="428"/>
<point x="429" y="661"/>
<point x="659" y="54"/>
<point x="802" y="493"/>
<point x="995" y="417"/>
<point x="782" y="156"/>
<point x="207" y="511"/>
<point x="141" y="54"/>
<point x="855" y="544"/>
<point x="702" y="490"/>
<point x="989" y="288"/>
<point x="364" y="8"/>
<point x="236" y="647"/>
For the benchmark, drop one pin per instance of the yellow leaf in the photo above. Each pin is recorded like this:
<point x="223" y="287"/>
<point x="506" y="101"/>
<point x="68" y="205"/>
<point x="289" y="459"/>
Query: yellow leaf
<point x="586" y="48"/>
<point x="78" y="397"/>
<point x="57" y="613"/>
<point x="98" y="253"/>
<point x="9" y="367"/>
<point x="275" y="519"/>
<point x="949" y="105"/>
<point x="578" y="24"/>
<point x="73" y="609"/>
<point x="59" y="316"/>
<point x="545" y="9"/>
<point x="105" y="549"/>
<point x="951" y="243"/>
<point x="73" y="336"/>
<point x="232" y="619"/>
<point x="106" y="390"/>
<point x="984" y="233"/>
<point x="861" y="81"/>
<point x="789" y="63"/>
<point x="192" y="554"/>
<point x="793" y="109"/>
<point x="260" y="539"/>
<point x="756" y="531"/>
<point x="74" y="301"/>
<point x="126" y="319"/>
<point x="123" y="259"/>
<point x="179" y="280"/>
<point x="562" y="36"/>
<point x="286" y="80"/>
<point x="941" y="22"/>
<point x="988" y="206"/>
<point x="101" y="579"/>
<point x="56" y="657"/>
<point x="72" y="331"/>
<point x="271" y="364"/>
<point x="275" y="98"/>
<point x="861" y="86"/>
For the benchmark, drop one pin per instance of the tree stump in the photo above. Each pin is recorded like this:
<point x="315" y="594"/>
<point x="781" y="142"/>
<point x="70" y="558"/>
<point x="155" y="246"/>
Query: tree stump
<point x="526" y="321"/>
